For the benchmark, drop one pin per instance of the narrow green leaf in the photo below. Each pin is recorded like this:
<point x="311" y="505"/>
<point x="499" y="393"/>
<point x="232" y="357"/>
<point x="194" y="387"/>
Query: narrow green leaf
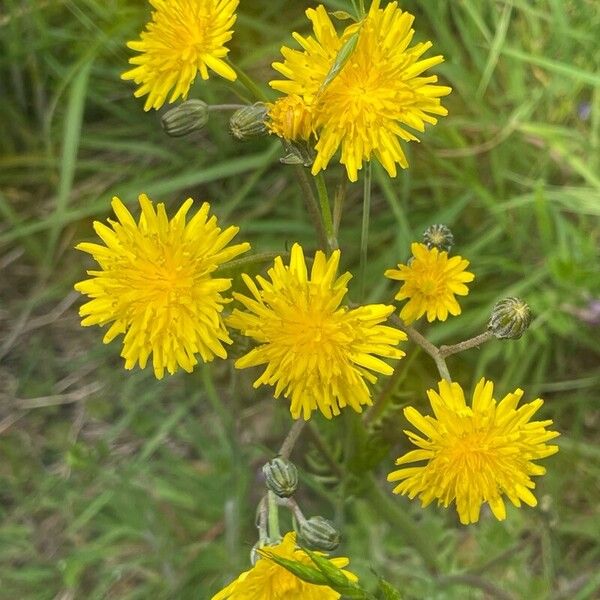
<point x="70" y="149"/>
<point x="300" y="570"/>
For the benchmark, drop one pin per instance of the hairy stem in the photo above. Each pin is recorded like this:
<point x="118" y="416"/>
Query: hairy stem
<point x="291" y="438"/>
<point x="466" y="345"/>
<point x="293" y="507"/>
<point x="261" y="520"/>
<point x="217" y="107"/>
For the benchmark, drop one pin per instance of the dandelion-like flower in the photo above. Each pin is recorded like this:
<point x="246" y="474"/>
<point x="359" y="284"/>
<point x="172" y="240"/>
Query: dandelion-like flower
<point x="316" y="352"/>
<point x="290" y="118"/>
<point x="474" y="454"/>
<point x="267" y="580"/>
<point x="184" y="37"/>
<point x="365" y="87"/>
<point x="431" y="282"/>
<point x="155" y="285"/>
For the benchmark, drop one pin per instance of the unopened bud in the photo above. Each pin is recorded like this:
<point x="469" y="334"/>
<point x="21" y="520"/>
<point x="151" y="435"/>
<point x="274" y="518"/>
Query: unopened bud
<point x="510" y="318"/>
<point x="281" y="477"/>
<point x="438" y="236"/>
<point x="249" y="122"/>
<point x="189" y="116"/>
<point x="319" y="533"/>
<point x="298" y="153"/>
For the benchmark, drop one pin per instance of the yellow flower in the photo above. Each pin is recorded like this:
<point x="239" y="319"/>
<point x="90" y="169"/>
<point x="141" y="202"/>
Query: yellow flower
<point x="316" y="352"/>
<point x="290" y="118"/>
<point x="266" y="580"/>
<point x="431" y="281"/>
<point x="380" y="90"/>
<point x="475" y="454"/>
<point x="183" y="38"/>
<point x="155" y="285"/>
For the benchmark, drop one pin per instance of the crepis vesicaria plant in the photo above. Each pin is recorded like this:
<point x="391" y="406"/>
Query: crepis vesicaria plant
<point x="357" y="89"/>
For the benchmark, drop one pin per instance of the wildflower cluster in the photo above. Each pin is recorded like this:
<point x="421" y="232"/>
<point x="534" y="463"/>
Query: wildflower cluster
<point x="161" y="282"/>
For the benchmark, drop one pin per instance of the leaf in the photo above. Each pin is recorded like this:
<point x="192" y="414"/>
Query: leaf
<point x="387" y="591"/>
<point x="342" y="15"/>
<point x="300" y="570"/>
<point x="334" y="575"/>
<point x="341" y="59"/>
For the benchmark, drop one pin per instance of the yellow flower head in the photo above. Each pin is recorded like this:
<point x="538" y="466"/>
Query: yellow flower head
<point x="379" y="91"/>
<point x="266" y="580"/>
<point x="475" y="454"/>
<point x="155" y="285"/>
<point x="316" y="352"/>
<point x="183" y="38"/>
<point x="431" y="281"/>
<point x="290" y="118"/>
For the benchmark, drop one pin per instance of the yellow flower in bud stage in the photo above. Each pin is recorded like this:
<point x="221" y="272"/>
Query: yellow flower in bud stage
<point x="184" y="37"/>
<point x="155" y="284"/>
<point x="474" y="454"/>
<point x="431" y="281"/>
<point x="316" y="352"/>
<point x="364" y="88"/>
<point x="267" y="580"/>
<point x="290" y="118"/>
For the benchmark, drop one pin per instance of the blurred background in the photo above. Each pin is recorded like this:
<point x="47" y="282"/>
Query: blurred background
<point x="115" y="485"/>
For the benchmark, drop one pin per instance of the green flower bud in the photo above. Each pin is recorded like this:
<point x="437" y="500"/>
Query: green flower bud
<point x="319" y="533"/>
<point x="249" y="121"/>
<point x="438" y="236"/>
<point x="510" y="318"/>
<point x="185" y="118"/>
<point x="298" y="153"/>
<point x="281" y="476"/>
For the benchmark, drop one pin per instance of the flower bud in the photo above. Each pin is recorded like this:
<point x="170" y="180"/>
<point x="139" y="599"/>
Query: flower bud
<point x="319" y="533"/>
<point x="298" y="153"/>
<point x="510" y="318"/>
<point x="281" y="477"/>
<point x="249" y="121"/>
<point x="185" y="118"/>
<point x="438" y="236"/>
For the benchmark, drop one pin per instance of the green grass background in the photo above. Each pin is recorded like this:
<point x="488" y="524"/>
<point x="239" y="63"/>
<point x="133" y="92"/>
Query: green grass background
<point x="114" y="485"/>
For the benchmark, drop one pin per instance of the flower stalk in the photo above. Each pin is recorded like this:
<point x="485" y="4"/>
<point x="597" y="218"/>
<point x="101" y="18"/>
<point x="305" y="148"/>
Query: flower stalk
<point x="364" y="234"/>
<point x="445" y="351"/>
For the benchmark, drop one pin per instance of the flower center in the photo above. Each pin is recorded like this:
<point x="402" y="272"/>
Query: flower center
<point x="471" y="452"/>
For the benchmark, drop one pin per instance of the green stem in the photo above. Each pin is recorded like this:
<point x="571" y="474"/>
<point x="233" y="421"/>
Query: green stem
<point x="250" y="261"/>
<point x="413" y="536"/>
<point x="249" y="83"/>
<point x="217" y="107"/>
<point x="225" y="420"/>
<point x="326" y="211"/>
<point x="364" y="235"/>
<point x="274" y="533"/>
<point x="311" y="204"/>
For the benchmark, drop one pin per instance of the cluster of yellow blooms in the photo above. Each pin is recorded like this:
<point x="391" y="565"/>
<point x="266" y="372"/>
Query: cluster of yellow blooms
<point x="158" y="281"/>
